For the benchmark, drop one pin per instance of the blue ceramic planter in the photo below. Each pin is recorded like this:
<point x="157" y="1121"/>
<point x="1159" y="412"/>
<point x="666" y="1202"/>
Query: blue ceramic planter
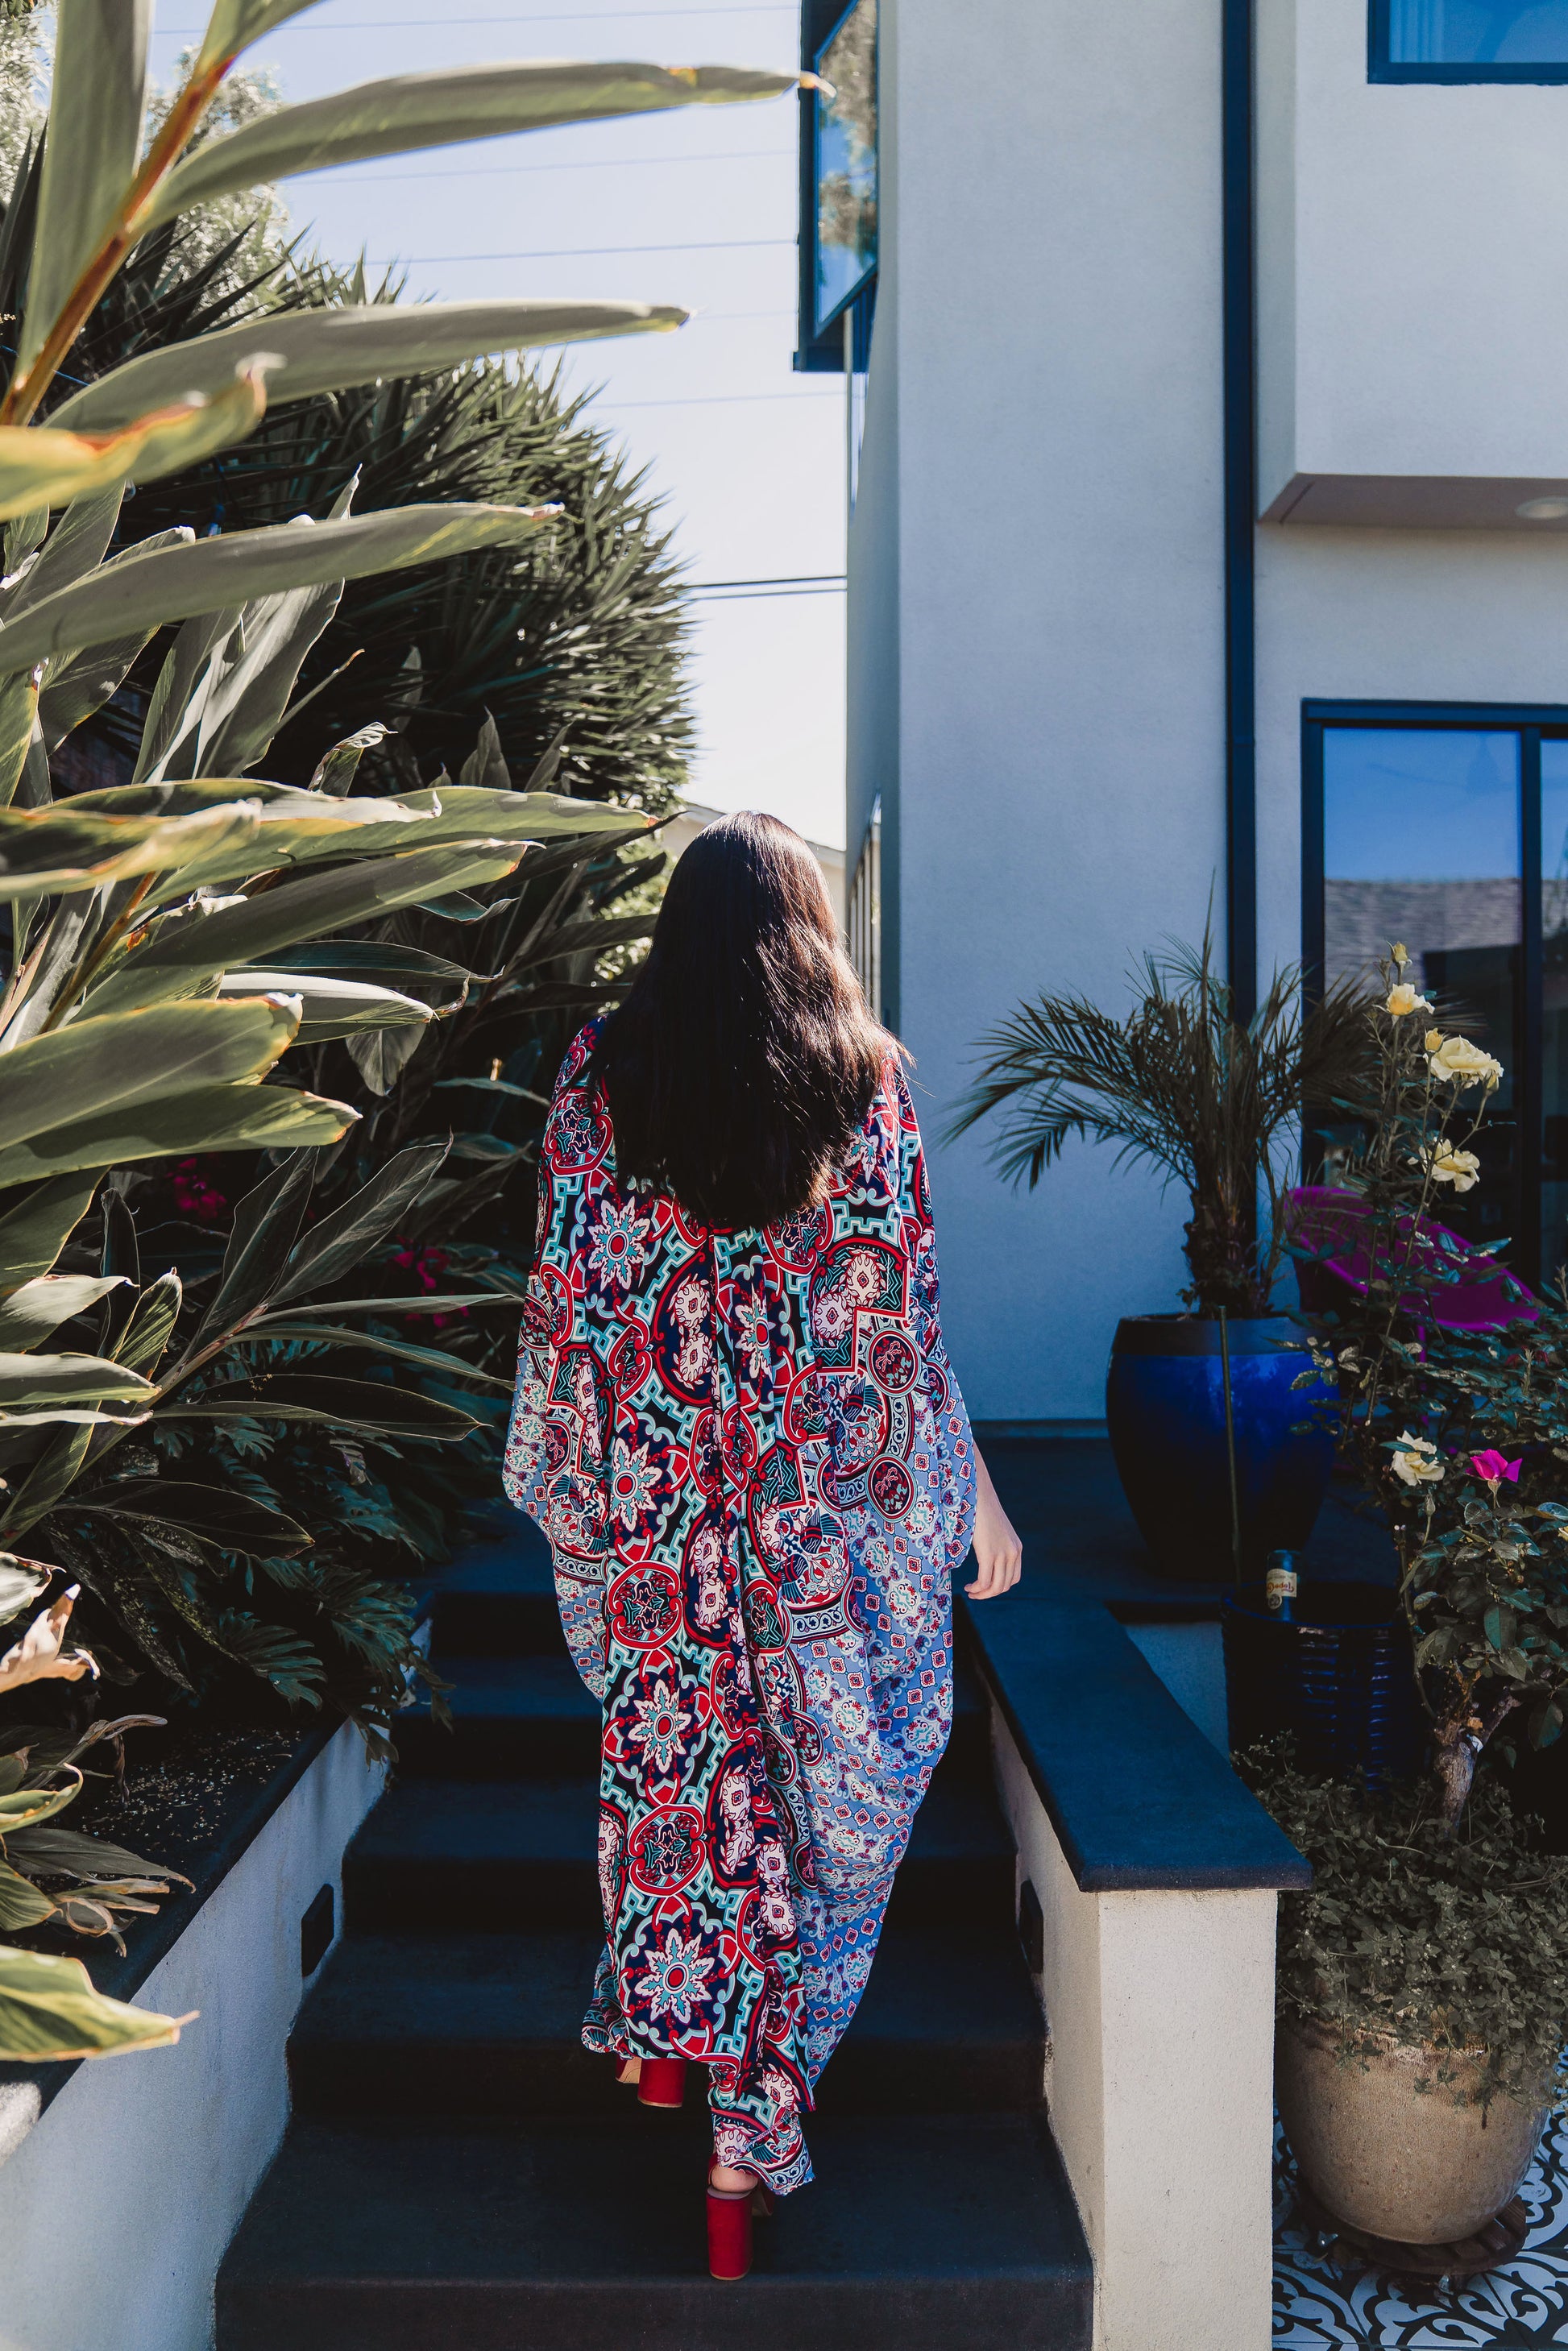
<point x="1164" y="1403"/>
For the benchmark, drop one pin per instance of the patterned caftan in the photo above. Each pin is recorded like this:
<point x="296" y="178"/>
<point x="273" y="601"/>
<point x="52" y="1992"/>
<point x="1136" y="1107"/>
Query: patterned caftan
<point x="755" y="1469"/>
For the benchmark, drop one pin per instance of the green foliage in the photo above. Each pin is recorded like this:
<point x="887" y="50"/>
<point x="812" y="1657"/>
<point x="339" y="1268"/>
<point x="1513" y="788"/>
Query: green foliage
<point x="1452" y="1940"/>
<point x="1178" y="1081"/>
<point x="157" y="929"/>
<point x="578" y="640"/>
<point x="1460" y="1437"/>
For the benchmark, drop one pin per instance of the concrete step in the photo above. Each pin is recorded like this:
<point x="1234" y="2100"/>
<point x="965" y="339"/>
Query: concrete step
<point x="438" y="1856"/>
<point x="489" y="2024"/>
<point x="512" y="1716"/>
<point x="925" y="2231"/>
<point x="517" y="1715"/>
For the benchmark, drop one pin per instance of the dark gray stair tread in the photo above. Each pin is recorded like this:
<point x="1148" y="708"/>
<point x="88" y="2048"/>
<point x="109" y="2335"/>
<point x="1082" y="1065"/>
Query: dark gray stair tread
<point x="498" y="1603"/>
<point x="511" y="1714"/>
<point x="439" y="1853"/>
<point x="490" y="2024"/>
<point x="932" y="2232"/>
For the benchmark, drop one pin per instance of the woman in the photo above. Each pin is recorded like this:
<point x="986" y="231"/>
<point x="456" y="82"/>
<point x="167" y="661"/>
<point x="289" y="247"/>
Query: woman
<point x="737" y="1426"/>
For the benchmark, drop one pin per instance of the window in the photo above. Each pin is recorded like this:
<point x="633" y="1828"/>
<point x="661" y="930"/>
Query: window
<point x="1469" y="40"/>
<point x="1449" y="830"/>
<point x="865" y="910"/>
<point x="845" y="174"/>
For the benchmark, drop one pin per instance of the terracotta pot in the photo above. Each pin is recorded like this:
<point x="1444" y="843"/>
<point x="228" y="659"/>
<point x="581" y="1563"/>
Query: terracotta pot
<point x="1390" y="2158"/>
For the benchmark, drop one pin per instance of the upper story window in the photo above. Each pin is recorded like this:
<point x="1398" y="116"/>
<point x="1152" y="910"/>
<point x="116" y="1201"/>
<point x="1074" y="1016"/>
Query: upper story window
<point x="845" y="174"/>
<point x="1469" y="40"/>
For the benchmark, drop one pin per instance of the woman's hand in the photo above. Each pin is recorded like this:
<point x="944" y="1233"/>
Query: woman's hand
<point x="998" y="1553"/>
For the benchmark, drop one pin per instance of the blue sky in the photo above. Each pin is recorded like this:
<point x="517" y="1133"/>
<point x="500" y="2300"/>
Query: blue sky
<point x="748" y="456"/>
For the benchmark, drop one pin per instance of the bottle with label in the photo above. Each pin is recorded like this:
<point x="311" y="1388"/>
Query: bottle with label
<point x="1279" y="1586"/>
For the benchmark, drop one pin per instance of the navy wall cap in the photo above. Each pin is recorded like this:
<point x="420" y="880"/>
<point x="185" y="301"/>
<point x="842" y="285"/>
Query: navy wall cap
<point x="1137" y="1795"/>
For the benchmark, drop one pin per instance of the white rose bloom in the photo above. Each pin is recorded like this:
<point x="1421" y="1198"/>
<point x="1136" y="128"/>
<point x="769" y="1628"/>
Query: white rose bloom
<point x="1460" y="1168"/>
<point x="1457" y="1062"/>
<point x="1416" y="1462"/>
<point x="1403" y="998"/>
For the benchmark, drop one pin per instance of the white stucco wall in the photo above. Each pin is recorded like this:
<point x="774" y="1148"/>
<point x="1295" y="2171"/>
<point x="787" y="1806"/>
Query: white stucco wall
<point x="1036" y="658"/>
<point x="1413" y="274"/>
<point x="117" y="2205"/>
<point x="1161" y="2008"/>
<point x="1050" y="309"/>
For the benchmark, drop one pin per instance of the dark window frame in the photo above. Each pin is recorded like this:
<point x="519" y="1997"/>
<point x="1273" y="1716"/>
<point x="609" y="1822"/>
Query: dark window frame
<point x="821" y="353"/>
<point x="1382" y="68"/>
<point x="1533" y="723"/>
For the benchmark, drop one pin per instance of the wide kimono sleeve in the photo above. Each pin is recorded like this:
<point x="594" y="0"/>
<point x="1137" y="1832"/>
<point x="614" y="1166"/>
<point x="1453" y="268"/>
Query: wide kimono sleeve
<point x="557" y="1444"/>
<point x="955" y="1441"/>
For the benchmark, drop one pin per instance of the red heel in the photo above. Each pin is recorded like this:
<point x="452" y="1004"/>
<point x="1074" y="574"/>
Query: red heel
<point x="663" y="2081"/>
<point x="729" y="2211"/>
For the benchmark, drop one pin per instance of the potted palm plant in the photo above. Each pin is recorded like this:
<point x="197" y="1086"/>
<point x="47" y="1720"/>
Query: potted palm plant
<point x="1208" y="1435"/>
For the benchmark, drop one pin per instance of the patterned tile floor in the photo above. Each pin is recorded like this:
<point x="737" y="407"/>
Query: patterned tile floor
<point x="1319" y="2305"/>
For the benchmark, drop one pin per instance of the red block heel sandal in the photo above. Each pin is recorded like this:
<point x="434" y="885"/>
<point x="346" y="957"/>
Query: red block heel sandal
<point x="729" y="2217"/>
<point x="663" y="2081"/>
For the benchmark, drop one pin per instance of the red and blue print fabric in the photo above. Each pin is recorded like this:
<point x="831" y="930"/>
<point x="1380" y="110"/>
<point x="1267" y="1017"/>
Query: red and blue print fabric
<point x="755" y="1469"/>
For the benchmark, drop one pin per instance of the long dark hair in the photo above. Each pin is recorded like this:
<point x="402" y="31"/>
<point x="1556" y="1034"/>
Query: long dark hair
<point x="743" y="1062"/>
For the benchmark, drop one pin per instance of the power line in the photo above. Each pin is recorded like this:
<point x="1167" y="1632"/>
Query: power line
<point x="727" y="398"/>
<point x="511" y="171"/>
<point x="559" y="16"/>
<point x="782" y="579"/>
<point x="768" y="595"/>
<point x="578" y="252"/>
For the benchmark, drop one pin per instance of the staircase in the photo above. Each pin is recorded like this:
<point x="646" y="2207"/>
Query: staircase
<point x="460" y="2175"/>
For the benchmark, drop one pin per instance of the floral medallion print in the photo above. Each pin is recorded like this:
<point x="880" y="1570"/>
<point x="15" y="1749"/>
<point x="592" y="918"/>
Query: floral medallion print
<point x="1321" y="2304"/>
<point x="754" y="1468"/>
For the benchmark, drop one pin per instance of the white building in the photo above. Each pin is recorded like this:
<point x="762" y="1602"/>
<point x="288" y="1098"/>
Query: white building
<point x="1214" y="461"/>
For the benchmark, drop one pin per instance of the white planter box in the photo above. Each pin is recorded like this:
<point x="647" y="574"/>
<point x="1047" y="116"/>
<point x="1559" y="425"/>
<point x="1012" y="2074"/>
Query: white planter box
<point x="118" y="2199"/>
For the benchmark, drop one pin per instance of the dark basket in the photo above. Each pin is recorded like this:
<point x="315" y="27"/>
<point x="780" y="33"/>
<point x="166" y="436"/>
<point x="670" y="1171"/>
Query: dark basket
<point x="1339" y="1680"/>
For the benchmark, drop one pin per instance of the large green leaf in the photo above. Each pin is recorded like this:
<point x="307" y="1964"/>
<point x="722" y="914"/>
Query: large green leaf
<point x="400" y="1351"/>
<point x="150" y="1324"/>
<point x="79" y="683"/>
<point x="234" y="24"/>
<point x="38" y="1307"/>
<point x="217" y="1514"/>
<point x="386" y="965"/>
<point x="96" y="101"/>
<point x="460" y="811"/>
<point x="34" y="1227"/>
<point x="331" y="1007"/>
<point x="335" y="1245"/>
<point x="41" y="466"/>
<point x="58" y="1851"/>
<point x="292" y="914"/>
<point x="21" y="1904"/>
<point x="175" y="583"/>
<point x="96" y="1067"/>
<point x="333" y="351"/>
<point x="22" y="1806"/>
<point x="49" y="2008"/>
<point x="78" y="543"/>
<point x="66" y="1379"/>
<point x="206" y="1118"/>
<point x="445" y="1302"/>
<point x="266" y="1222"/>
<point x="438" y="107"/>
<point x="50" y="850"/>
<point x="372" y="1408"/>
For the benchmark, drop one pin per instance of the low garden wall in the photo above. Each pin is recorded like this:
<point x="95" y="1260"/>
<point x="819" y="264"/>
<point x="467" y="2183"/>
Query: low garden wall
<point x="1156" y="1876"/>
<point x="121" y="2181"/>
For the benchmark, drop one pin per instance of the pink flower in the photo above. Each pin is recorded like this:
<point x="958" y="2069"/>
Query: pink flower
<point x="1493" y="1469"/>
